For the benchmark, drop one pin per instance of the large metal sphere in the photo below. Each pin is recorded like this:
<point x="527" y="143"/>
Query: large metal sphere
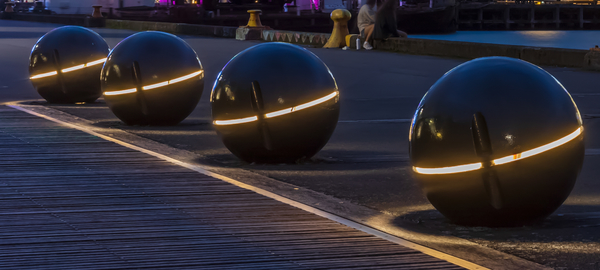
<point x="65" y="65"/>
<point x="152" y="78"/>
<point x="515" y="129"/>
<point x="275" y="102"/>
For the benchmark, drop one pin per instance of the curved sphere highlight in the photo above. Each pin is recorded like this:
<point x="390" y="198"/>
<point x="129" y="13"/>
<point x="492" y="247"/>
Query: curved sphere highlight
<point x="275" y="102"/>
<point x="65" y="64"/>
<point x="497" y="142"/>
<point x="152" y="78"/>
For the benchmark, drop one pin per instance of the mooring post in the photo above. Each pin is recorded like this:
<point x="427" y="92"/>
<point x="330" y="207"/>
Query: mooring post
<point x="96" y="13"/>
<point x="340" y="18"/>
<point x="9" y="7"/>
<point x="254" y="28"/>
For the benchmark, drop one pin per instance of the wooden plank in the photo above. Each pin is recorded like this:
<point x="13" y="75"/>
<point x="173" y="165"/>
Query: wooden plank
<point x="69" y="200"/>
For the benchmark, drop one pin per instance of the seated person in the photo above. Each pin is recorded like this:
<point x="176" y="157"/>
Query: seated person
<point x="366" y="21"/>
<point x="385" y="22"/>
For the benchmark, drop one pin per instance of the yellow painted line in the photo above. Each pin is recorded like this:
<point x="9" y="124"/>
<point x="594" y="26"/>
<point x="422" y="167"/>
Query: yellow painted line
<point x="307" y="208"/>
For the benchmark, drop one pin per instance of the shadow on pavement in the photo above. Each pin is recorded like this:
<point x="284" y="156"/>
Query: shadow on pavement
<point x="185" y="125"/>
<point x="12" y="34"/>
<point x="573" y="229"/>
<point x="36" y="35"/>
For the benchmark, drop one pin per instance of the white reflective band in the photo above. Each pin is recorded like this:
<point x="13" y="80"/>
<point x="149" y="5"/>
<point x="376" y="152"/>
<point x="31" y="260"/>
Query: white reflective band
<point x="236" y="121"/>
<point x="284" y="111"/>
<point x="120" y="92"/>
<point x="278" y="113"/>
<point x="69" y="69"/>
<point x="73" y="68"/>
<point x="503" y="160"/>
<point x="538" y="150"/>
<point x="93" y="63"/>
<point x="447" y="170"/>
<point x="156" y="85"/>
<point x="52" y="73"/>
<point x="183" y="78"/>
<point x="315" y="102"/>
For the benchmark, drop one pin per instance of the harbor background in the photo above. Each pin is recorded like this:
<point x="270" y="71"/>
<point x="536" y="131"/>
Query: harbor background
<point x="574" y="39"/>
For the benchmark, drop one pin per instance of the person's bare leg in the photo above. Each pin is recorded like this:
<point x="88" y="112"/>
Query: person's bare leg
<point x="369" y="32"/>
<point x="402" y="34"/>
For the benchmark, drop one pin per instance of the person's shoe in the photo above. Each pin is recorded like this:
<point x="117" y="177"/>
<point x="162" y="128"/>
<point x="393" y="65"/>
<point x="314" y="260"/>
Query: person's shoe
<point x="367" y="46"/>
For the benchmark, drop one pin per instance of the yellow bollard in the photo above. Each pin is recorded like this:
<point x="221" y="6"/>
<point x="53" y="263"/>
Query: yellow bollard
<point x="96" y="13"/>
<point x="254" y="20"/>
<point x="340" y="19"/>
<point x="254" y="29"/>
<point x="9" y="7"/>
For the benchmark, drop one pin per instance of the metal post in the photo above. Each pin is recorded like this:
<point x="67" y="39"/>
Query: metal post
<point x="580" y="17"/>
<point x="137" y="80"/>
<point x="532" y="17"/>
<point x="59" y="74"/>
<point x="557" y="17"/>
<point x="480" y="18"/>
<point x="507" y="17"/>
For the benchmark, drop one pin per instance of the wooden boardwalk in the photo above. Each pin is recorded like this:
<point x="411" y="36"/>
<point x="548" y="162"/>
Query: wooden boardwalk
<point x="70" y="200"/>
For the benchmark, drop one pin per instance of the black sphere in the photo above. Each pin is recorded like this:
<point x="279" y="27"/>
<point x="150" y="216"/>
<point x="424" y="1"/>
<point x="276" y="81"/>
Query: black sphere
<point x="275" y="102"/>
<point x="65" y="65"/>
<point x="515" y="132"/>
<point x="152" y="78"/>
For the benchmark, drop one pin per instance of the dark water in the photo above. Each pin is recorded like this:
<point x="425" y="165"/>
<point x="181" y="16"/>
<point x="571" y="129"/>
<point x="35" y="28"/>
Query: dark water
<point x="584" y="39"/>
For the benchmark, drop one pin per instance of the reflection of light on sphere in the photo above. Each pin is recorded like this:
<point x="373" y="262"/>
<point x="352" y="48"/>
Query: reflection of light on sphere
<point x="65" y="65"/>
<point x="275" y="102"/>
<point x="152" y="78"/>
<point x="497" y="141"/>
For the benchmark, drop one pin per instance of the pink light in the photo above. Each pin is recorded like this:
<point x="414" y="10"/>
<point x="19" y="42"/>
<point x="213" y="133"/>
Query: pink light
<point x="316" y="3"/>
